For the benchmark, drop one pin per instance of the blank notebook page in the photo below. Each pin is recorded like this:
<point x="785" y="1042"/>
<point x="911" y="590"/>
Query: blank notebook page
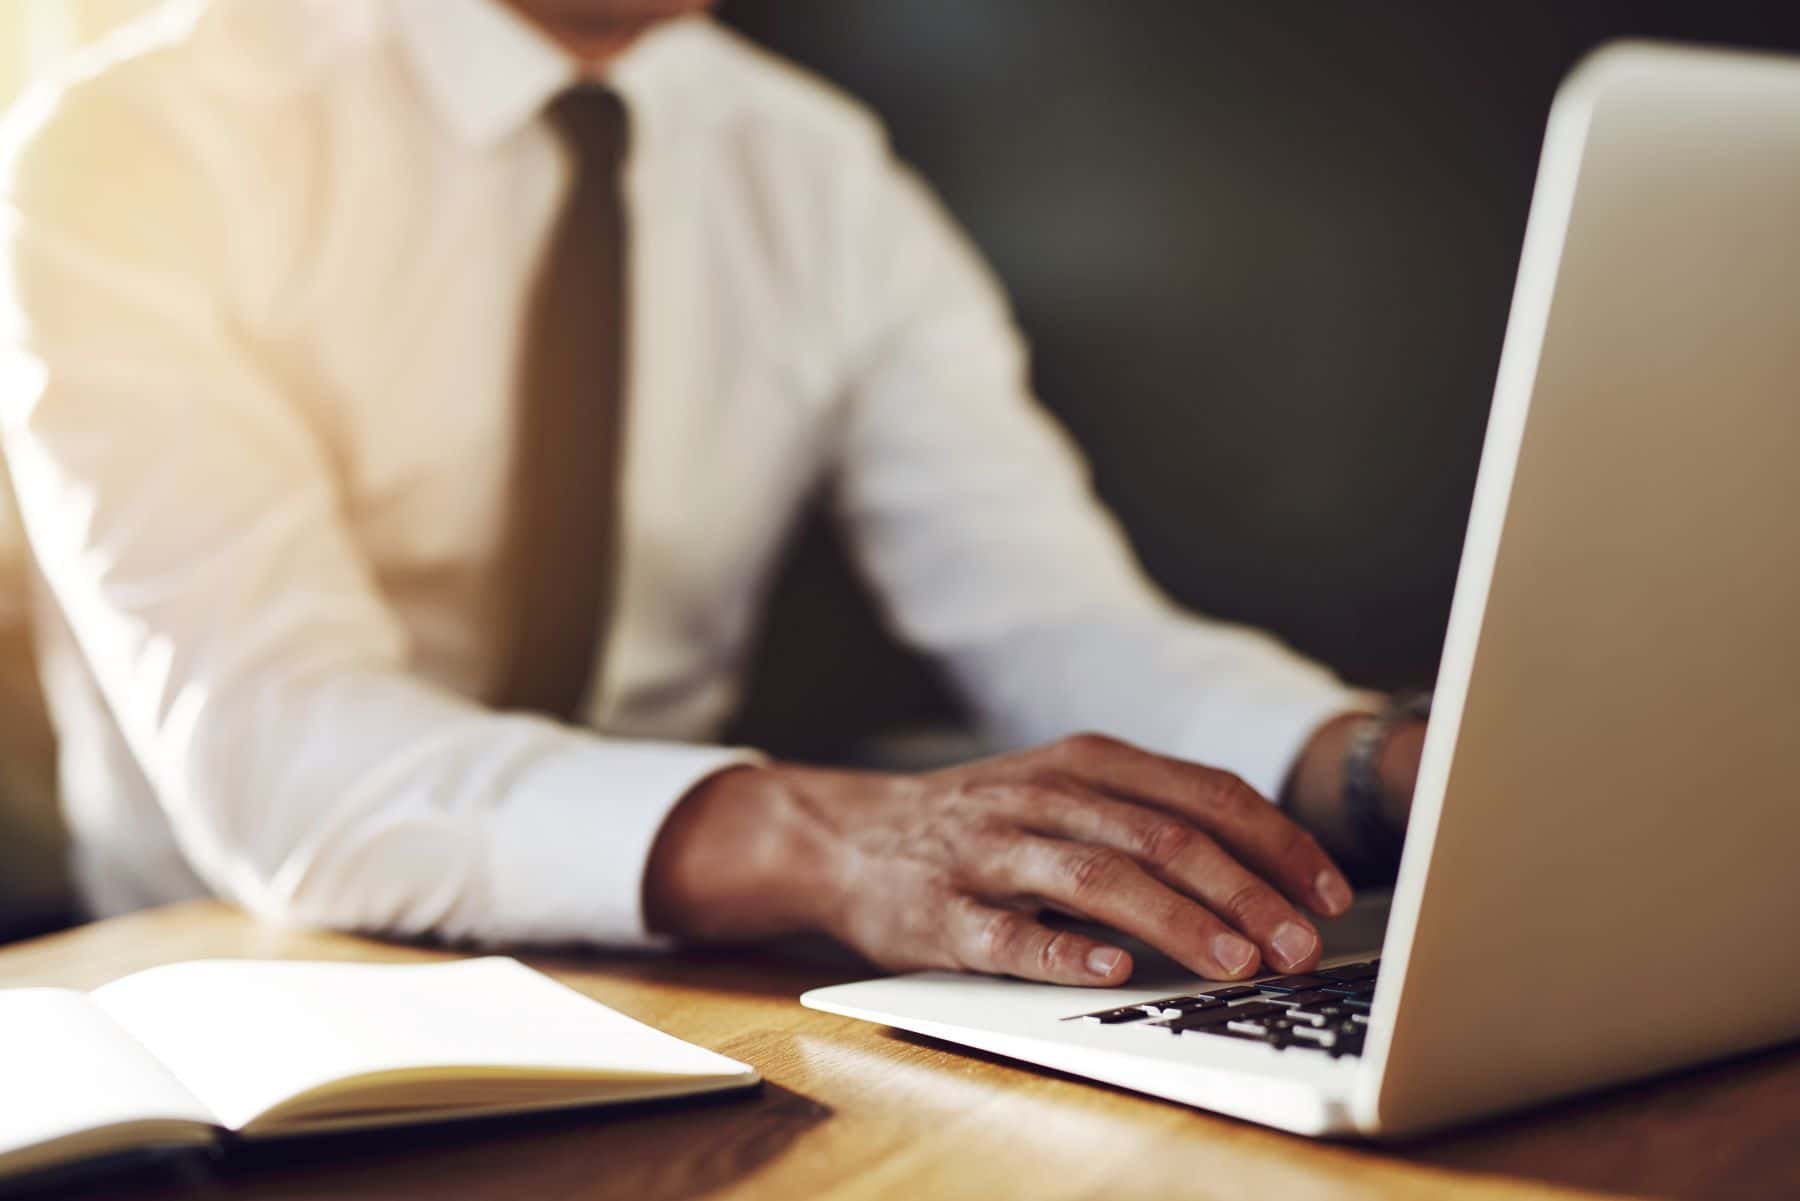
<point x="246" y="1036"/>
<point x="66" y="1067"/>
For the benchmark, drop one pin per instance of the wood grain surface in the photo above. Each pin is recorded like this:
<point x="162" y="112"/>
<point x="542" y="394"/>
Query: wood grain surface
<point x="850" y="1110"/>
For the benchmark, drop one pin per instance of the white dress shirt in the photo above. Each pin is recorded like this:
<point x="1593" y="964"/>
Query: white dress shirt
<point x="266" y="266"/>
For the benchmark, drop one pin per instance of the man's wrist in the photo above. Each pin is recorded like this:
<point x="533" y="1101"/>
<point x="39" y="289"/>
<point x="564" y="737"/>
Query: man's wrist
<point x="738" y="858"/>
<point x="1380" y="771"/>
<point x="1398" y="770"/>
<point x="1317" y="797"/>
<point x="1314" y="792"/>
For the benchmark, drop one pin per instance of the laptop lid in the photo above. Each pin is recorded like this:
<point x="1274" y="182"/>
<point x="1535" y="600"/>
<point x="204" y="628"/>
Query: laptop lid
<point x="1600" y="882"/>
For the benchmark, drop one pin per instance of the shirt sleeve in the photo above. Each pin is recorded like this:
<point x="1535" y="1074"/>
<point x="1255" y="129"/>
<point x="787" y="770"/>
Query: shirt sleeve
<point x="13" y="585"/>
<point x="189" y="522"/>
<point x="972" y="513"/>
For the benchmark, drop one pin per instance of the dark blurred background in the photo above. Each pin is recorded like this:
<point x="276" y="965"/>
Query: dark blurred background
<point x="1264" y="254"/>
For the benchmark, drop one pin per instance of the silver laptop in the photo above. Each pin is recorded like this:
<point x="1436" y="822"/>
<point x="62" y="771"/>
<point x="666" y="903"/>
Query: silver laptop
<point x="1602" y="879"/>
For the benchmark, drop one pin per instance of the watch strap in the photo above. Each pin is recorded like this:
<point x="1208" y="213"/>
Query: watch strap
<point x="1381" y="843"/>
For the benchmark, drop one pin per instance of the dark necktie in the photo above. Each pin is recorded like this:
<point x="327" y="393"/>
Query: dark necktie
<point x="564" y="535"/>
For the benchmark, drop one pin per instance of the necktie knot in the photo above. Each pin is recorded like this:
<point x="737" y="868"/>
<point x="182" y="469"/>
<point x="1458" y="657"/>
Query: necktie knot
<point x="591" y="121"/>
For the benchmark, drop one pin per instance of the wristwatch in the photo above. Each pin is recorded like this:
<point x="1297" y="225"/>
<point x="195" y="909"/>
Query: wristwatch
<point x="1380" y="842"/>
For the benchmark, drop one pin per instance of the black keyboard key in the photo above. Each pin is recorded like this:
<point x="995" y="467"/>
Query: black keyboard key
<point x="1228" y="992"/>
<point x="1176" y="1006"/>
<point x="1275" y="1035"/>
<point x="1319" y="1036"/>
<point x="1112" y="1017"/>
<point x="1312" y="997"/>
<point x="1153" y="1010"/>
<point x="1293" y="983"/>
<point x="1350" y="988"/>
<point x="1220" y="1015"/>
<point x="1309" y="1018"/>
<point x="1330" y="1013"/>
<point x="1349" y="972"/>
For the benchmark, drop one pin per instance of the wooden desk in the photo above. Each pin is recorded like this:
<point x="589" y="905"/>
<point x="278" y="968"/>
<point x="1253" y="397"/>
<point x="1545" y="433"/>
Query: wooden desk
<point x="852" y="1111"/>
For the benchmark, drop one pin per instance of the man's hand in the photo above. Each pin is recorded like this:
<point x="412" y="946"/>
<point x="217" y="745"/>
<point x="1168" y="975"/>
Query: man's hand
<point x="950" y="869"/>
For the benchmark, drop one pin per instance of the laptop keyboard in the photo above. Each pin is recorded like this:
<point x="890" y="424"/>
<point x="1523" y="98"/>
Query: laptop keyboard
<point x="1326" y="1010"/>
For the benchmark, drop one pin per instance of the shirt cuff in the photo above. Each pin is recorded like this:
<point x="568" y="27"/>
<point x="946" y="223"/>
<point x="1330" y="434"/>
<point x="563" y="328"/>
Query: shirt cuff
<point x="575" y="835"/>
<point x="1277" y="728"/>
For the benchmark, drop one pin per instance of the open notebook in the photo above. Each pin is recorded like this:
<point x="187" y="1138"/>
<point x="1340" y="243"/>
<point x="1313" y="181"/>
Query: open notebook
<point x="179" y="1055"/>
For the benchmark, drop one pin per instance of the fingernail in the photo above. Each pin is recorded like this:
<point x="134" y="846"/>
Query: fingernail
<point x="1293" y="943"/>
<point x="1102" y="960"/>
<point x="1233" y="953"/>
<point x="1334" y="892"/>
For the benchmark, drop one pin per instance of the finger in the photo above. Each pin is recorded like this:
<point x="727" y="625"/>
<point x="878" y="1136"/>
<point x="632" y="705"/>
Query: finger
<point x="1180" y="854"/>
<point x="990" y="938"/>
<point x="1255" y="831"/>
<point x="1108" y="886"/>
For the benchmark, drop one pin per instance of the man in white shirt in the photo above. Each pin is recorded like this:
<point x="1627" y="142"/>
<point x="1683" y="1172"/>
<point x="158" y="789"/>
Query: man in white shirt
<point x="289" y="285"/>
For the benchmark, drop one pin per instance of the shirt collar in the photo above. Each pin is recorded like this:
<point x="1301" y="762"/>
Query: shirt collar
<point x="490" y="72"/>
